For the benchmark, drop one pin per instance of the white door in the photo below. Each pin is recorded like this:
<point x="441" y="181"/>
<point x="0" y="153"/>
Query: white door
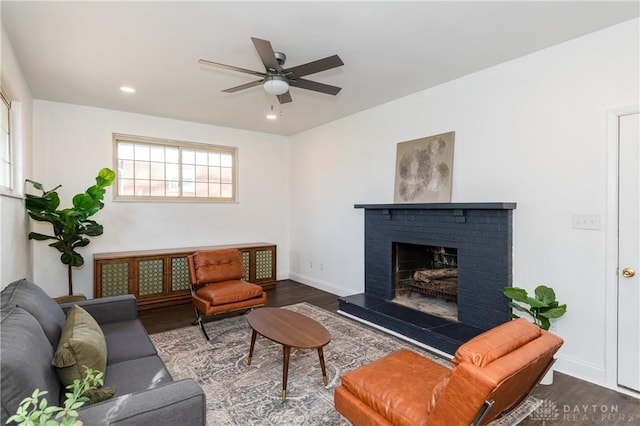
<point x="629" y="252"/>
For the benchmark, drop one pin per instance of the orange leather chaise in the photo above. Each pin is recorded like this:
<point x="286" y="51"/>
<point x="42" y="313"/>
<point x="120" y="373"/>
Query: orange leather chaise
<point x="217" y="284"/>
<point x="492" y="373"/>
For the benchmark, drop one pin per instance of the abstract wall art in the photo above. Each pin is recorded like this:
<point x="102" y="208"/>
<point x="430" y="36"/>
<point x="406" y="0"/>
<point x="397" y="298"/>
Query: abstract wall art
<point x="424" y="168"/>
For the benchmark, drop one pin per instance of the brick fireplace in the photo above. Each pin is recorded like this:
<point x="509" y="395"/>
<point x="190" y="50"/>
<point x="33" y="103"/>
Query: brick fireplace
<point x="479" y="235"/>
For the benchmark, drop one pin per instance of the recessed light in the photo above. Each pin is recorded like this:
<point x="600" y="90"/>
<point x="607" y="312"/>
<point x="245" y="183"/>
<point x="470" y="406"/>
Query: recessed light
<point x="127" y="89"/>
<point x="271" y="115"/>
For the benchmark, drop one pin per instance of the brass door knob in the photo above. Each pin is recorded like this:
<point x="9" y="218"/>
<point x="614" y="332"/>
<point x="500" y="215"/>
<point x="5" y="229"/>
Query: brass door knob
<point x="628" y="272"/>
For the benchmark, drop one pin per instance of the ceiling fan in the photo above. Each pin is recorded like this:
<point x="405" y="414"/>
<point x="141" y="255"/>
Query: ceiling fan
<point x="276" y="80"/>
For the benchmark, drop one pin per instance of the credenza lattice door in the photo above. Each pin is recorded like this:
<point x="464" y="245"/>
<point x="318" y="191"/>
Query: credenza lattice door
<point x="179" y="274"/>
<point x="115" y="278"/>
<point x="264" y="264"/>
<point x="150" y="277"/>
<point x="161" y="277"/>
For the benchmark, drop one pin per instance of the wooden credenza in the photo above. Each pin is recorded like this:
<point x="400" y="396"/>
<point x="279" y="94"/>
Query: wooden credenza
<point x="161" y="277"/>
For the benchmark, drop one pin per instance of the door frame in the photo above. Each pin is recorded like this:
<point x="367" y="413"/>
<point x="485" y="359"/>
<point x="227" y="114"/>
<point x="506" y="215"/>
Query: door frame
<point x="611" y="278"/>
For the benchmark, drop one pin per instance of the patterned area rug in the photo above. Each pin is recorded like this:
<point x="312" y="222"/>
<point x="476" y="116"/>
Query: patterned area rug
<point x="238" y="394"/>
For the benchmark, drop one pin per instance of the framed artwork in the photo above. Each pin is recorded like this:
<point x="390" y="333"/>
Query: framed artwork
<point x="423" y="170"/>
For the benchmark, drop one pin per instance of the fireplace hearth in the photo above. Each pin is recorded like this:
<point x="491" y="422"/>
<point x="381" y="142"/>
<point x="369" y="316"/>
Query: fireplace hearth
<point x="460" y="253"/>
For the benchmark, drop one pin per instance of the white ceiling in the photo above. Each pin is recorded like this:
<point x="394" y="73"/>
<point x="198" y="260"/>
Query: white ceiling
<point x="82" y="52"/>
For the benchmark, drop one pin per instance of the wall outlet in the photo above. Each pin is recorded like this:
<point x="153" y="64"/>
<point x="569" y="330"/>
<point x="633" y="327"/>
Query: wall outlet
<point x="585" y="221"/>
<point x="310" y="264"/>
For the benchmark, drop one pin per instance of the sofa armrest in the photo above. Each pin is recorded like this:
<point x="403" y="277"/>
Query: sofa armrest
<point x="182" y="402"/>
<point x="108" y="309"/>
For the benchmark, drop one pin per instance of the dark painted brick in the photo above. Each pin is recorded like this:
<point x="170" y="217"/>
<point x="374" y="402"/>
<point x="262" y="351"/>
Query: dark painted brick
<point x="483" y="241"/>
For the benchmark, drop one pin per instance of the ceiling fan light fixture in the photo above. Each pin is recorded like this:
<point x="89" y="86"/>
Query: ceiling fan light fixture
<point x="275" y="85"/>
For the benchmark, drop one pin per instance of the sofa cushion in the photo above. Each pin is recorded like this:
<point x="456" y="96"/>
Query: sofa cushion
<point x="82" y="344"/>
<point x="127" y="340"/>
<point x="25" y="363"/>
<point x="34" y="300"/>
<point x="137" y="375"/>
<point x="497" y="342"/>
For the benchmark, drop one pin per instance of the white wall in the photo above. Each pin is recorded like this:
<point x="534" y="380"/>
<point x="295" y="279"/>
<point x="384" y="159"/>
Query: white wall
<point x="71" y="143"/>
<point x="532" y="131"/>
<point x="15" y="255"/>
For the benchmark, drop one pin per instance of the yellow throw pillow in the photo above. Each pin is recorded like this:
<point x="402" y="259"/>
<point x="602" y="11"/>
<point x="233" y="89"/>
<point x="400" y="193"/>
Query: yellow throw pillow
<point x="82" y="344"/>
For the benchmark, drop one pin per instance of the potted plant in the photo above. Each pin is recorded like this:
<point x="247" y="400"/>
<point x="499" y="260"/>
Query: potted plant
<point x="542" y="308"/>
<point x="71" y="226"/>
<point x="35" y="411"/>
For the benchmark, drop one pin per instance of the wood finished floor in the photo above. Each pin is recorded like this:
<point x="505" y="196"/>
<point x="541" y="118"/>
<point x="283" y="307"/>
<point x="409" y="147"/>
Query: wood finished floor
<point x="569" y="401"/>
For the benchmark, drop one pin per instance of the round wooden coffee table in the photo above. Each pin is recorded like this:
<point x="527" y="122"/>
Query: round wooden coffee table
<point x="291" y="330"/>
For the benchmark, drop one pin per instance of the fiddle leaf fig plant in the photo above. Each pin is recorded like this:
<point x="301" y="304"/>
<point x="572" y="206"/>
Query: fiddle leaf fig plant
<point x="541" y="308"/>
<point x="70" y="226"/>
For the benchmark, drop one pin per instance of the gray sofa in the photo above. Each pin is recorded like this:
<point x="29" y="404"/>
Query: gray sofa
<point x="145" y="392"/>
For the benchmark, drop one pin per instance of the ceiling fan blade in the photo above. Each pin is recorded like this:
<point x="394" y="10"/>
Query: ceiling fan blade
<point x="230" y="67"/>
<point x="266" y="53"/>
<point x="315" y="86"/>
<point x="285" y="98"/>
<point x="243" y="86"/>
<point x="314" y="67"/>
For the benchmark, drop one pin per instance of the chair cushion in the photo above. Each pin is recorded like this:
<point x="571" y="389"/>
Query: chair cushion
<point x="229" y="292"/>
<point x="397" y="386"/>
<point x="82" y="344"/>
<point x="497" y="342"/>
<point x="438" y="389"/>
<point x="34" y="300"/>
<point x="216" y="265"/>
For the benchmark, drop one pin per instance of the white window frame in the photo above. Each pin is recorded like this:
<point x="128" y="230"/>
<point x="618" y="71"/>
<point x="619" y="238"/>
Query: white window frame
<point x="8" y="163"/>
<point x="181" y="146"/>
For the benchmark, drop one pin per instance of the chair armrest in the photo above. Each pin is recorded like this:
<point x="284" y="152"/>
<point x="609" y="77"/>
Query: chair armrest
<point x="108" y="309"/>
<point x="178" y="403"/>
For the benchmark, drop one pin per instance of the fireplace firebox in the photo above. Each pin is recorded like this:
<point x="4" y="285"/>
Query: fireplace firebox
<point x="426" y="278"/>
<point x="464" y="248"/>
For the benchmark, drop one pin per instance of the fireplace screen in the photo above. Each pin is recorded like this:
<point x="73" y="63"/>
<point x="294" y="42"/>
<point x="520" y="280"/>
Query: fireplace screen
<point x="426" y="278"/>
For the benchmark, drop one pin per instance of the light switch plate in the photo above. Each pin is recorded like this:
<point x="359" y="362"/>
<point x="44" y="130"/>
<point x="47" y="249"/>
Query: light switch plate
<point x="585" y="221"/>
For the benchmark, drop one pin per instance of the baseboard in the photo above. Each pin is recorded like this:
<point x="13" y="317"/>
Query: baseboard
<point x="320" y="285"/>
<point x="580" y="369"/>
<point x="591" y="373"/>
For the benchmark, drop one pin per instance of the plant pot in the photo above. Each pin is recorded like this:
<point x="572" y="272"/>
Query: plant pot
<point x="547" y="379"/>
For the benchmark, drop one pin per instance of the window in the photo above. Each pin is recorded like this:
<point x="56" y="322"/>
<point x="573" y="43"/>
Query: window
<point x="157" y="169"/>
<point x="6" y="164"/>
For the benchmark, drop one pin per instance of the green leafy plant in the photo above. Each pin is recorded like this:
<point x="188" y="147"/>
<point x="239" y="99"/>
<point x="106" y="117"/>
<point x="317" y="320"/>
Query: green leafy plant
<point x="35" y="411"/>
<point x="71" y="226"/>
<point x="542" y="307"/>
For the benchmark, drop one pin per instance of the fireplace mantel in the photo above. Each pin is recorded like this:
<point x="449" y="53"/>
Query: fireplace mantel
<point x="438" y="206"/>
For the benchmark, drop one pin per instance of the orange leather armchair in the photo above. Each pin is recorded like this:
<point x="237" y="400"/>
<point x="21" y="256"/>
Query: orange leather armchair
<point x="492" y="373"/>
<point x="217" y="286"/>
